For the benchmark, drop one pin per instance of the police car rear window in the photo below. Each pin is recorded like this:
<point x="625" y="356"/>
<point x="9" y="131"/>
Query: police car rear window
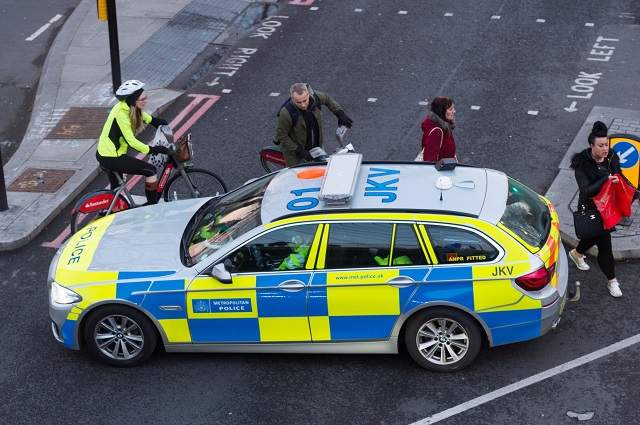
<point x="526" y="215"/>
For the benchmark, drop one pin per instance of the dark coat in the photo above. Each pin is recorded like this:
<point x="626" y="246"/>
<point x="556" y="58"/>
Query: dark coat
<point x="439" y="143"/>
<point x="590" y="176"/>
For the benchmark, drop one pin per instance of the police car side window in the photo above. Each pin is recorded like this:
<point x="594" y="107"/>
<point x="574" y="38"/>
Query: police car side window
<point x="279" y="250"/>
<point x="454" y="245"/>
<point x="357" y="245"/>
<point x="406" y="249"/>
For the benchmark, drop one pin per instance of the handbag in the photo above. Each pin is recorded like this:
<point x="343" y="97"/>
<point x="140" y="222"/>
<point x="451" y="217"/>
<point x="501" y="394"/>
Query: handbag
<point x="420" y="155"/>
<point x="587" y="223"/>
<point x="183" y="148"/>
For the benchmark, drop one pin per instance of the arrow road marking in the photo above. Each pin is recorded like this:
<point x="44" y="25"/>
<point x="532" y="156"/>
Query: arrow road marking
<point x="572" y="108"/>
<point x="623" y="155"/>
<point x="213" y="82"/>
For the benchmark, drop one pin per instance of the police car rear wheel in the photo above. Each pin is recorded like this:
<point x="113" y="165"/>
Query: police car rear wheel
<point x="443" y="340"/>
<point x="120" y="336"/>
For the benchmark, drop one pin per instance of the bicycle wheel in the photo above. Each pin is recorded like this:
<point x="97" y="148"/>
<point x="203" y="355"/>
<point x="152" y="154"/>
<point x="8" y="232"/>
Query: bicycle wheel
<point x="271" y="160"/>
<point x="204" y="182"/>
<point x="94" y="206"/>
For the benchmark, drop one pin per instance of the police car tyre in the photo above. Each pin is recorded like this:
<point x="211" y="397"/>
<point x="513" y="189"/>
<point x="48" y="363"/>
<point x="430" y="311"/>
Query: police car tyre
<point x="120" y="336"/>
<point x="443" y="339"/>
<point x="205" y="182"/>
<point x="80" y="219"/>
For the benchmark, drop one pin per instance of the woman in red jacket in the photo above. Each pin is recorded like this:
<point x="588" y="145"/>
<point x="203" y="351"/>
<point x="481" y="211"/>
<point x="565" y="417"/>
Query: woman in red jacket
<point x="437" y="130"/>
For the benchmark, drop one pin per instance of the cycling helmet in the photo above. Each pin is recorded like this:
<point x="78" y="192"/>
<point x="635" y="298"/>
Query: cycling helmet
<point x="128" y="88"/>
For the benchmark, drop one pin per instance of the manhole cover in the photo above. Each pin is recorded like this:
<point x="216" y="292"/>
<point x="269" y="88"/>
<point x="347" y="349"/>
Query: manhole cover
<point x="40" y="180"/>
<point x="80" y="123"/>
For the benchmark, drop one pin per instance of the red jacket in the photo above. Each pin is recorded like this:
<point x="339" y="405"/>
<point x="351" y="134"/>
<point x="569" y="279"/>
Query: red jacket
<point x="437" y="143"/>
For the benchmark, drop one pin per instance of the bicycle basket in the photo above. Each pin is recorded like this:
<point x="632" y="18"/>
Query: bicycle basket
<point x="184" y="149"/>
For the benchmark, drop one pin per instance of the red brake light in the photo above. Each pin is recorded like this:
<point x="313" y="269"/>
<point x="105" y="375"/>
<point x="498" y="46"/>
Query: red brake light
<point x="536" y="280"/>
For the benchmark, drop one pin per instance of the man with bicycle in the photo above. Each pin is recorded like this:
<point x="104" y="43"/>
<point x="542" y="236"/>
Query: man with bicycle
<point x="299" y="125"/>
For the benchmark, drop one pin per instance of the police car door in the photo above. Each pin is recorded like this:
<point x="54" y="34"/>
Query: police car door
<point x="266" y="300"/>
<point x="360" y="285"/>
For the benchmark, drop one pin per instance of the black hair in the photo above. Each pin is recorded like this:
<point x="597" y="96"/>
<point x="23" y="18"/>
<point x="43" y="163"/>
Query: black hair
<point x="599" y="130"/>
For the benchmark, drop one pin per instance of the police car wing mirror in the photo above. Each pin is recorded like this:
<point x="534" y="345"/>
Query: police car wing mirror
<point x="221" y="273"/>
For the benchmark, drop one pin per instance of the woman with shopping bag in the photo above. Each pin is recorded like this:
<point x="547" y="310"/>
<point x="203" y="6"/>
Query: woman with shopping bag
<point x="437" y="131"/>
<point x="593" y="167"/>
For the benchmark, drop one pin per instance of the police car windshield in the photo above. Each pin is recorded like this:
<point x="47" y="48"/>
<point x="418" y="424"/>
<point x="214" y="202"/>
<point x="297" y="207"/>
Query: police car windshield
<point x="526" y="215"/>
<point x="230" y="217"/>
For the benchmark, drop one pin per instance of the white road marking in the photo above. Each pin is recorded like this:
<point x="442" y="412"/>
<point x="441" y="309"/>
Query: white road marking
<point x="372" y="99"/>
<point x="357" y="10"/>
<point x="226" y="90"/>
<point x="448" y="14"/>
<point x="589" y="24"/>
<point x="274" y="94"/>
<point x="314" y="8"/>
<point x="475" y="107"/>
<point x="423" y="103"/>
<point x="43" y="28"/>
<point x="495" y="17"/>
<point x="532" y="112"/>
<point x="402" y="12"/>
<point x="541" y="21"/>
<point x="549" y="373"/>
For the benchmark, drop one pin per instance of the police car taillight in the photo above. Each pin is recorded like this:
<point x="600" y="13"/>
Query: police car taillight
<point x="537" y="279"/>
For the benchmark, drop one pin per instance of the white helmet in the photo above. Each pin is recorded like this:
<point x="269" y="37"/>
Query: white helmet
<point x="128" y="87"/>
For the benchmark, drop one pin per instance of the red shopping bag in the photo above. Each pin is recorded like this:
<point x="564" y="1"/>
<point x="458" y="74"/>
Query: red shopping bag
<point x="606" y="203"/>
<point x="624" y="196"/>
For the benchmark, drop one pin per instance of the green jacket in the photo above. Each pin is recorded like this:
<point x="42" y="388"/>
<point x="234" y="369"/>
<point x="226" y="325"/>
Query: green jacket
<point x="117" y="134"/>
<point x="291" y="136"/>
<point x="296" y="260"/>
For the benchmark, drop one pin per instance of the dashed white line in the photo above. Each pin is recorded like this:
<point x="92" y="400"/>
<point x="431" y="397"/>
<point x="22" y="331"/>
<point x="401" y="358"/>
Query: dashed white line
<point x="475" y="107"/>
<point x="226" y="90"/>
<point x="423" y="103"/>
<point x="589" y="24"/>
<point x="541" y="21"/>
<point x="532" y="112"/>
<point x="534" y="379"/>
<point x="372" y="99"/>
<point x="273" y="94"/>
<point x="43" y="28"/>
<point x="314" y="8"/>
<point x="495" y="17"/>
<point x="402" y="12"/>
<point x="357" y="10"/>
<point x="448" y="14"/>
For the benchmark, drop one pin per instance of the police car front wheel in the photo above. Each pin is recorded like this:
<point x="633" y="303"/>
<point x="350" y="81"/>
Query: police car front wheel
<point x="119" y="335"/>
<point x="442" y="339"/>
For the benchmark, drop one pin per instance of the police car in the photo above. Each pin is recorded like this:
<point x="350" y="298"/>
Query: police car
<point x="343" y="257"/>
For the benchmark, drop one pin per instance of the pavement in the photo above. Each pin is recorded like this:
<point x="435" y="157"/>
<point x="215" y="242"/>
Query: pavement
<point x="564" y="189"/>
<point x="159" y="40"/>
<point x="56" y="158"/>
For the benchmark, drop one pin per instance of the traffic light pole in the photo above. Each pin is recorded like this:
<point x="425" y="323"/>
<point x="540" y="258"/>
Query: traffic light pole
<point x="114" y="48"/>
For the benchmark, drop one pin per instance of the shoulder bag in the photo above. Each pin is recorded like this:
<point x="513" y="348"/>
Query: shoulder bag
<point x="587" y="223"/>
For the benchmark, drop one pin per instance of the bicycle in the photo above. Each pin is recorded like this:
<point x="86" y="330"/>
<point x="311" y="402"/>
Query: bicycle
<point x="272" y="159"/>
<point x="179" y="179"/>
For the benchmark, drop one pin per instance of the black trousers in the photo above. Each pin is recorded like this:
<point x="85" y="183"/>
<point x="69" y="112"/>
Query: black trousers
<point x="605" y="253"/>
<point x="125" y="164"/>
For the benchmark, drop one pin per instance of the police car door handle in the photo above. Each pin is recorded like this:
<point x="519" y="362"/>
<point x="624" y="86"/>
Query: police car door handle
<point x="400" y="281"/>
<point x="292" y="285"/>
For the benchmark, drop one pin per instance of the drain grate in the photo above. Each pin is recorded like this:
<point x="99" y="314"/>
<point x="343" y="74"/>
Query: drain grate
<point x="80" y="123"/>
<point x="40" y="180"/>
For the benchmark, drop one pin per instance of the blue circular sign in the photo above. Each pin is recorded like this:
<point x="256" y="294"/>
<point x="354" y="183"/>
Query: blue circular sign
<point x="628" y="154"/>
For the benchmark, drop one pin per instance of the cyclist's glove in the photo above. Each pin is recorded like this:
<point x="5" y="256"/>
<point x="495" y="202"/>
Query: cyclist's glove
<point x="157" y="122"/>
<point x="154" y="150"/>
<point x="303" y="153"/>
<point x="343" y="119"/>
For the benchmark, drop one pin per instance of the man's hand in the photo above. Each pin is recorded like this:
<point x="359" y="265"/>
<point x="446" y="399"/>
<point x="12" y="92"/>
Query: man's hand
<point x="343" y="119"/>
<point x="304" y="154"/>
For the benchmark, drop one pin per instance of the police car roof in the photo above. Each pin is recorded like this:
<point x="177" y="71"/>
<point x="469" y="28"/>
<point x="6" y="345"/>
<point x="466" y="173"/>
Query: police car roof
<point x="391" y="186"/>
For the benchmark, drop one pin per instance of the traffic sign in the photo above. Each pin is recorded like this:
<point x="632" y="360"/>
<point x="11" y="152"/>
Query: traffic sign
<point x="628" y="149"/>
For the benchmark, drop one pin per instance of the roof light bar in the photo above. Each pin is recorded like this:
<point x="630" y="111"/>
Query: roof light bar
<point x="340" y="179"/>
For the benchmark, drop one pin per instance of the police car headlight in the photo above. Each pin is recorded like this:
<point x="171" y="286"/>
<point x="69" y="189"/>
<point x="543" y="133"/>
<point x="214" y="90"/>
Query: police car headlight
<point x="61" y="295"/>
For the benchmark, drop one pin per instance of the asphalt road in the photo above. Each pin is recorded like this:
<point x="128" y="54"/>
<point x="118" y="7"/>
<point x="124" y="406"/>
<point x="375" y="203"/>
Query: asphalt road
<point x="21" y="61"/>
<point x="516" y="73"/>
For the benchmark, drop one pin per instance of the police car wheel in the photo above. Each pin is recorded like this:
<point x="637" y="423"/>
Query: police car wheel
<point x="443" y="339"/>
<point x="120" y="336"/>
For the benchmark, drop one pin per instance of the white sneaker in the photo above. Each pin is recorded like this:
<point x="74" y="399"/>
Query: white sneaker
<point x="614" y="288"/>
<point x="578" y="260"/>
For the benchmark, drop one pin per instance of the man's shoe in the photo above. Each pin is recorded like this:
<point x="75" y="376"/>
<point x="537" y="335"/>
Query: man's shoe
<point x="614" y="288"/>
<point x="578" y="260"/>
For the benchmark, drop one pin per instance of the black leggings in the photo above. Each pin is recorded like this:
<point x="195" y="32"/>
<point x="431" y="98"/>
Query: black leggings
<point x="605" y="253"/>
<point x="125" y="164"/>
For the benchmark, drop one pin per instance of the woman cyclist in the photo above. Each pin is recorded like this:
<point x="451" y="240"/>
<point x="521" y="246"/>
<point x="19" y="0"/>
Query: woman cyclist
<point x="125" y="121"/>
